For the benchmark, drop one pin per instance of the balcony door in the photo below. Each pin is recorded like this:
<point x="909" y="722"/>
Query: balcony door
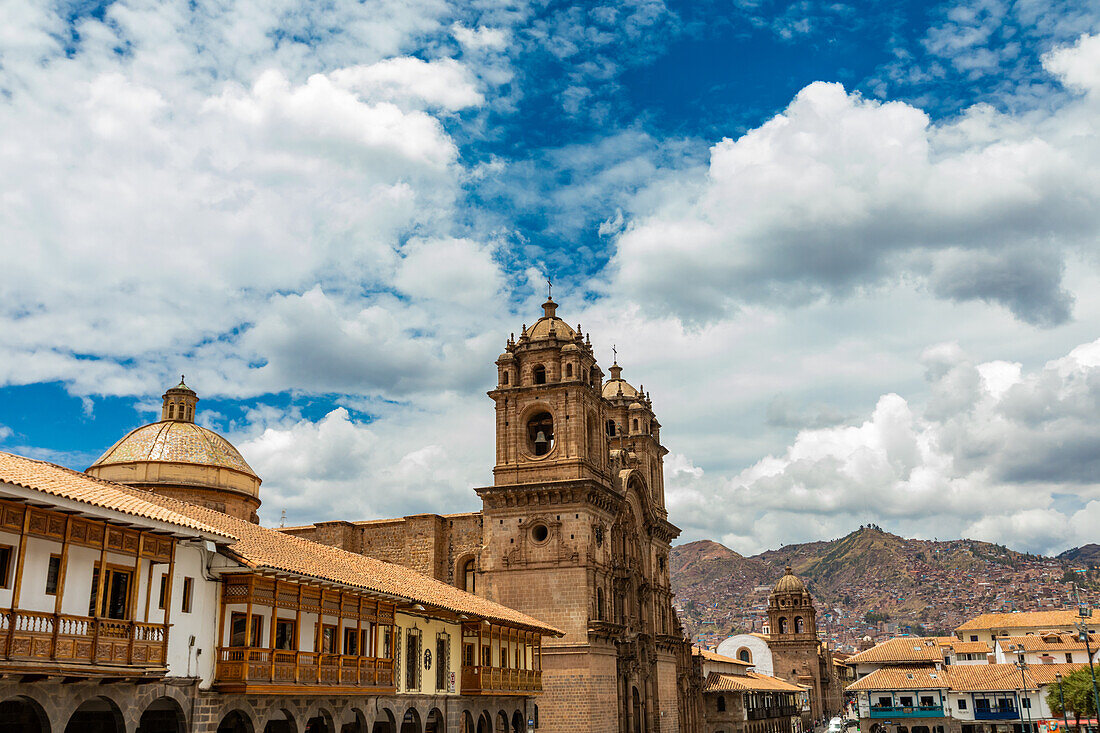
<point x="116" y="593"/>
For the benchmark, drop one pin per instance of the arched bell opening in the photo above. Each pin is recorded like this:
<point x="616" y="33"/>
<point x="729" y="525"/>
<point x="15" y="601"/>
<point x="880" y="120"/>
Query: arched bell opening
<point x="540" y="433"/>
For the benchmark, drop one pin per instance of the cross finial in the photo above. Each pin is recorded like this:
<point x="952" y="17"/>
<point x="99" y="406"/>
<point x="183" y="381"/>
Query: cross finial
<point x="615" y="351"/>
<point x="549" y="289"/>
<point x="181" y="377"/>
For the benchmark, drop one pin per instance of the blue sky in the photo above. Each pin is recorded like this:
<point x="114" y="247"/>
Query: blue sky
<point x="851" y="249"/>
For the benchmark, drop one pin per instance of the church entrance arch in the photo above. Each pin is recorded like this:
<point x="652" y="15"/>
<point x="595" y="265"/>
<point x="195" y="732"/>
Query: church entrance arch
<point x="21" y="714"/>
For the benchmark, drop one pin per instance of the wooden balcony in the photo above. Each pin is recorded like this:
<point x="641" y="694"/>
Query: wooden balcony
<point x="500" y="681"/>
<point x="276" y="671"/>
<point x="34" y="642"/>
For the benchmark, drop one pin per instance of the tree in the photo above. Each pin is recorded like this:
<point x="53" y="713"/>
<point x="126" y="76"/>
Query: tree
<point x="1076" y="688"/>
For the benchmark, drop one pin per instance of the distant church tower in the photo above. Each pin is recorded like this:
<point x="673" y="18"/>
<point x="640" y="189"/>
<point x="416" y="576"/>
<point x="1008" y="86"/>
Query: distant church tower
<point x="575" y="533"/>
<point x="797" y="655"/>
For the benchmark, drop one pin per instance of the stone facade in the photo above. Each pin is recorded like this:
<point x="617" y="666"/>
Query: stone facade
<point x="573" y="531"/>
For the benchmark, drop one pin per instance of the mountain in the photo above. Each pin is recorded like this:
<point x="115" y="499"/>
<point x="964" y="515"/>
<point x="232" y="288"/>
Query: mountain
<point x="871" y="583"/>
<point x="1084" y="555"/>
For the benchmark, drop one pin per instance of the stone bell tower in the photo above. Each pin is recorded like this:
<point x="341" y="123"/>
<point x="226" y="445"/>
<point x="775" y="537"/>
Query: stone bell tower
<point x="797" y="655"/>
<point x="574" y="532"/>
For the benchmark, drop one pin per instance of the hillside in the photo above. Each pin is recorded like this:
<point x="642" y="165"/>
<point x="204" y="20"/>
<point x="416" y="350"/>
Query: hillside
<point x="870" y="583"/>
<point x="1085" y="555"/>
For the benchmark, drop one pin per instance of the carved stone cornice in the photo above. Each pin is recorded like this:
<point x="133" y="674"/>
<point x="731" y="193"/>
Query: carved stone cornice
<point x="551" y="493"/>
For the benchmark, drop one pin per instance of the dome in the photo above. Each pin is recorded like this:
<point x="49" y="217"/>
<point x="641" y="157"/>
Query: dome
<point x="617" y="386"/>
<point x="174" y="441"/>
<point x="177" y="458"/>
<point x="541" y="328"/>
<point x="789" y="583"/>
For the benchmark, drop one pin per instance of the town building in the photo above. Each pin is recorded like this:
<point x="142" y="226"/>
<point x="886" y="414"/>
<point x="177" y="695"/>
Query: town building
<point x="917" y="650"/>
<point x="1046" y="648"/>
<point x="738" y="699"/>
<point x="983" y="698"/>
<point x="988" y="626"/>
<point x="573" y="530"/>
<point x="131" y="607"/>
<point x="791" y="650"/>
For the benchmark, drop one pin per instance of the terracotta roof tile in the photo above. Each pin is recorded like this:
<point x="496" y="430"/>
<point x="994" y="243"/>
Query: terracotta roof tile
<point x="748" y="682"/>
<point x="961" y="677"/>
<point x="66" y="483"/>
<point x="970" y="647"/>
<point x="1021" y="620"/>
<point x="1046" y="642"/>
<point x="903" y="649"/>
<point x="263" y="547"/>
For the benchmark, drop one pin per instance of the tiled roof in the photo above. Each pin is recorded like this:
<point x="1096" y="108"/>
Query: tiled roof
<point x="970" y="647"/>
<point x="903" y="649"/>
<point x="962" y="677"/>
<point x="911" y="677"/>
<point x="748" y="682"/>
<point x="263" y="547"/>
<point x="174" y="441"/>
<point x="65" y="483"/>
<point x="1021" y="620"/>
<point x="1046" y="642"/>
<point x="1004" y="677"/>
<point x="712" y="657"/>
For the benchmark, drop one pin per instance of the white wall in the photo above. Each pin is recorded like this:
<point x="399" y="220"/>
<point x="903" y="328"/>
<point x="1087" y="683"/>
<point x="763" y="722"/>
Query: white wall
<point x="428" y="630"/>
<point x="761" y="653"/>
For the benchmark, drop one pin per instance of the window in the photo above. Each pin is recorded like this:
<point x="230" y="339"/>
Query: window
<point x="238" y="627"/>
<point x="540" y="433"/>
<point x="503" y="658"/>
<point x="387" y="641"/>
<point x="721" y="704"/>
<point x="53" y="573"/>
<point x="467" y="655"/>
<point x="798" y="625"/>
<point x="926" y="701"/>
<point x="285" y="636"/>
<point x="188" y="592"/>
<point x="885" y="702"/>
<point x="504" y="378"/>
<point x="635" y="424"/>
<point x="782" y="625"/>
<point x="467" y="576"/>
<point x="1069" y="658"/>
<point x="442" y="660"/>
<point x="906" y="701"/>
<point x="611" y="428"/>
<point x="412" y="659"/>
<point x="1025" y="703"/>
<point x="116" y="593"/>
<point x="539" y="533"/>
<point x="569" y="370"/>
<point x="328" y="639"/>
<point x="599" y="603"/>
<point x="486" y="656"/>
<point x="163" y="599"/>
<point x="5" y="566"/>
<point x="539" y="375"/>
<point x="351" y="642"/>
<point x="744" y="655"/>
<point x="962" y="703"/>
<point x="172" y="412"/>
<point x="973" y="637"/>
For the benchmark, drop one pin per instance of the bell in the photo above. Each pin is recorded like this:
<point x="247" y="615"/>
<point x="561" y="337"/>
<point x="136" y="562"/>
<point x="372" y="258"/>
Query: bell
<point x="540" y="439"/>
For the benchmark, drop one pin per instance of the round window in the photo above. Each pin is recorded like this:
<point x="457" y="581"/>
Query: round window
<point x="539" y="533"/>
<point x="540" y="433"/>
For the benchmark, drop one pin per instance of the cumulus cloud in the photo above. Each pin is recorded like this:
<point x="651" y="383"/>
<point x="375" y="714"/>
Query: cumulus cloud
<point x="982" y="458"/>
<point x="840" y="193"/>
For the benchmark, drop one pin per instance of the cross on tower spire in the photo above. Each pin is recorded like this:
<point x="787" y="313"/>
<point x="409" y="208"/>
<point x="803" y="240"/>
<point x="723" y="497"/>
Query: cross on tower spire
<point x="549" y="289"/>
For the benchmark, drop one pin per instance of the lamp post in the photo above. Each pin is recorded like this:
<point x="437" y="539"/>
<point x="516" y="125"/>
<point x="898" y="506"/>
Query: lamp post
<point x="1062" y="697"/>
<point x="1083" y="630"/>
<point x="1023" y="666"/>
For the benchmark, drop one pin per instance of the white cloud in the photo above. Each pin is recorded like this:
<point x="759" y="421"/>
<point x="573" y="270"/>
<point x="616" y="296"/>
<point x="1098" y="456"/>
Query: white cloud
<point x="480" y="37"/>
<point x="982" y="460"/>
<point x="840" y="193"/>
<point x="443" y="83"/>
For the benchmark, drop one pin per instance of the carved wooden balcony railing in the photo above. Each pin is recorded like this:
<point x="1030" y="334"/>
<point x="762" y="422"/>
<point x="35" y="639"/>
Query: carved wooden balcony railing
<point x="255" y="669"/>
<point x="500" y="681"/>
<point x="32" y="639"/>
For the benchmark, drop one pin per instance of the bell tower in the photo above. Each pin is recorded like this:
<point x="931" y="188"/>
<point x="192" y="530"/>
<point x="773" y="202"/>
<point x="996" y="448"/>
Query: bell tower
<point x="549" y="413"/>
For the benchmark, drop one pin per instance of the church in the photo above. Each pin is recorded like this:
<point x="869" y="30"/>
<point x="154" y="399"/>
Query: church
<point x="573" y="530"/>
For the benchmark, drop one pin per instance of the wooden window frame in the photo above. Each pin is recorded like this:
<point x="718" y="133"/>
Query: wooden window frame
<point x="7" y="565"/>
<point x="187" y="595"/>
<point x="353" y="635"/>
<point x="293" y="634"/>
<point x="93" y="606"/>
<point x="257" y="629"/>
<point x="162" y="597"/>
<point x="57" y="576"/>
<point x="326" y="648"/>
